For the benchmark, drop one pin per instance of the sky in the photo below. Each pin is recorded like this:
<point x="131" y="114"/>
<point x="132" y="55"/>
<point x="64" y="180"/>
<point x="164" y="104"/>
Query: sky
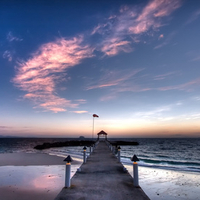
<point x="136" y="64"/>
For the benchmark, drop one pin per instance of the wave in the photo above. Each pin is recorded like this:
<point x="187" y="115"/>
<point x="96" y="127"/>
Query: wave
<point x="170" y="162"/>
<point x="168" y="165"/>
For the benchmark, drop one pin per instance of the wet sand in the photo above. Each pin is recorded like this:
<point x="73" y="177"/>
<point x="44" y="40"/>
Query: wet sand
<point x="29" y="176"/>
<point x="24" y="159"/>
<point x="168" y="184"/>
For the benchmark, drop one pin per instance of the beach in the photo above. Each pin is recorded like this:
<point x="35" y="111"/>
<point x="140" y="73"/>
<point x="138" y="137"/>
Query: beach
<point x="168" y="168"/>
<point x="30" y="176"/>
<point x="168" y="184"/>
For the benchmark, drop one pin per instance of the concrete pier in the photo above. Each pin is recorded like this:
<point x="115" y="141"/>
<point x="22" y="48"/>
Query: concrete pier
<point x="102" y="177"/>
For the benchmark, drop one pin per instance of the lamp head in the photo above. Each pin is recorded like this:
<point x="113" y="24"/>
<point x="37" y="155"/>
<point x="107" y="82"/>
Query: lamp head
<point x="134" y="158"/>
<point x="68" y="159"/>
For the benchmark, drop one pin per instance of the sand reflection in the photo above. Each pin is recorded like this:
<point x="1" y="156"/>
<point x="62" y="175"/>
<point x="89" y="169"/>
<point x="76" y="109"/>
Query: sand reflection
<point x="168" y="184"/>
<point x="23" y="181"/>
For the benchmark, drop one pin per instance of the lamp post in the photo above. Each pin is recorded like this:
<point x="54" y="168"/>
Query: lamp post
<point x="84" y="154"/>
<point x="135" y="171"/>
<point x="68" y="161"/>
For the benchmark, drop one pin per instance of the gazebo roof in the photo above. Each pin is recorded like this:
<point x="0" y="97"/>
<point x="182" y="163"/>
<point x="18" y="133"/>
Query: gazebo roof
<point x="102" y="133"/>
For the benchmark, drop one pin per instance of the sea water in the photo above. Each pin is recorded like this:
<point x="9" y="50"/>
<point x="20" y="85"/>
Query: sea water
<point x="182" y="154"/>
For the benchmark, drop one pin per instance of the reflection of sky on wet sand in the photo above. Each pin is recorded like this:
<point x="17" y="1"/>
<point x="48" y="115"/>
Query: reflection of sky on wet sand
<point x="48" y="179"/>
<point x="32" y="176"/>
<point x="168" y="184"/>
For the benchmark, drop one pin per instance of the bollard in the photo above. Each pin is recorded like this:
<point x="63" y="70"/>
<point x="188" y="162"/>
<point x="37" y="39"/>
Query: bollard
<point x="90" y="149"/>
<point x="124" y="169"/>
<point x="119" y="159"/>
<point x="135" y="171"/>
<point x="68" y="161"/>
<point x="79" y="169"/>
<point x="113" y="150"/>
<point x="84" y="155"/>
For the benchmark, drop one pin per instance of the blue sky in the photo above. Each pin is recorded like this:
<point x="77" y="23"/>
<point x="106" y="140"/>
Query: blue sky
<point x="134" y="63"/>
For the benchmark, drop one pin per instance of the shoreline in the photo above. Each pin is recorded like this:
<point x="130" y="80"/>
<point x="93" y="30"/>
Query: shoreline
<point x="29" y="159"/>
<point x="41" y="176"/>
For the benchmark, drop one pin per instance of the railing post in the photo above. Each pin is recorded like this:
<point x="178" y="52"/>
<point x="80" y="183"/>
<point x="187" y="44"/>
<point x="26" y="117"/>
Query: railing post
<point x="68" y="161"/>
<point x="90" y="149"/>
<point x="113" y="150"/>
<point x="119" y="157"/>
<point x="84" y="155"/>
<point x="135" y="171"/>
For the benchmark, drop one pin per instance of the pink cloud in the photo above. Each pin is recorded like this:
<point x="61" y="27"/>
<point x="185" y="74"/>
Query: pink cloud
<point x="113" y="47"/>
<point x="80" y="111"/>
<point x="39" y="75"/>
<point x="161" y="36"/>
<point x="151" y="14"/>
<point x="132" y="21"/>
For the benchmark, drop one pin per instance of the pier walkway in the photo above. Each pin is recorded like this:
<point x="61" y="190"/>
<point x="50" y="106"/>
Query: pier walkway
<point x="102" y="178"/>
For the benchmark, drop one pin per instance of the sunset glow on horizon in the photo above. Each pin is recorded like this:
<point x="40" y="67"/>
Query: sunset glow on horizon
<point x="134" y="63"/>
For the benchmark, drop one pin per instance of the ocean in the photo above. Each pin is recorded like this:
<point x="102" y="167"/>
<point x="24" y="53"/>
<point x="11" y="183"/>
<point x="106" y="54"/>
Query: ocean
<point x="181" y="154"/>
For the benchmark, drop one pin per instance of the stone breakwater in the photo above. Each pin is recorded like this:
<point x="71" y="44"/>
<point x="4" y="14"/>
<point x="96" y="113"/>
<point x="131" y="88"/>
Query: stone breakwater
<point x="64" y="144"/>
<point x="80" y="143"/>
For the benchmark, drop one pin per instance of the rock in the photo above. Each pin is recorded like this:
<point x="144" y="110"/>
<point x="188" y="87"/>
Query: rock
<point x="64" y="144"/>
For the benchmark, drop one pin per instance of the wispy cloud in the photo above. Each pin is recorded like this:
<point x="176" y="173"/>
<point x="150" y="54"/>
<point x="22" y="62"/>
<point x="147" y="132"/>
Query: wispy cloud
<point x="114" y="45"/>
<point x="7" y="55"/>
<point x="80" y="111"/>
<point x="119" y="29"/>
<point x="108" y="97"/>
<point x="113" y="78"/>
<point x="164" y="76"/>
<point x="196" y="98"/>
<point x="193" y="17"/>
<point x="81" y="101"/>
<point x="11" y="37"/>
<point x="153" y="113"/>
<point x="189" y="86"/>
<point x="39" y="75"/>
<point x="152" y="13"/>
<point x="192" y="116"/>
<point x="161" y="113"/>
<point x="6" y="127"/>
<point x="197" y="58"/>
<point x="166" y="41"/>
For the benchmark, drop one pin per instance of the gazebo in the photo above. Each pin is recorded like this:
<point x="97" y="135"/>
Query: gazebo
<point x="102" y="133"/>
